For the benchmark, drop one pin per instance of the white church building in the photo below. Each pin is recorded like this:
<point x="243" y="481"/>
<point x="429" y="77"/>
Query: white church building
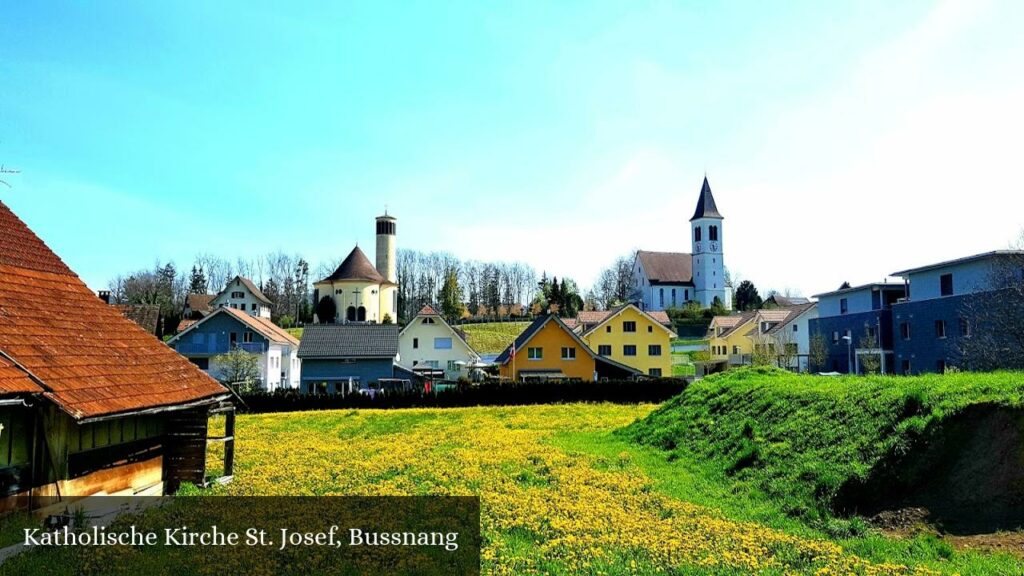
<point x="671" y="279"/>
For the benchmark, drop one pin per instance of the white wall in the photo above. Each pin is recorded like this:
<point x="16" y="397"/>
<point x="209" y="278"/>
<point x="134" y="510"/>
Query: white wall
<point x="410" y="356"/>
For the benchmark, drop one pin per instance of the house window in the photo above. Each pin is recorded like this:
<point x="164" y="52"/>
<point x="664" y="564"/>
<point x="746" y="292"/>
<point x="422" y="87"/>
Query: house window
<point x="242" y="307"/>
<point x="686" y="294"/>
<point x="940" y="366"/>
<point x="844" y="306"/>
<point x="247" y="337"/>
<point x="835" y="337"/>
<point x="791" y="348"/>
<point x="713" y="233"/>
<point x="654" y="350"/>
<point x="428" y="320"/>
<point x="568" y="353"/>
<point x="534" y="353"/>
<point x="629" y="326"/>
<point x="661" y="297"/>
<point x="735" y="349"/>
<point x="940" y="328"/>
<point x="795" y="327"/>
<point x="905" y="330"/>
<point x="906" y="367"/>
<point x="629" y="350"/>
<point x="452" y="366"/>
<point x="673" y="297"/>
<point x="946" y="285"/>
<point x="238" y="294"/>
<point x="650" y="329"/>
<point x="604" y="350"/>
<point x="233" y="338"/>
<point x="696" y="234"/>
<point x="415" y="343"/>
<point x="656" y="372"/>
<point x="442" y="343"/>
<point x="608" y="329"/>
<point x="965" y="327"/>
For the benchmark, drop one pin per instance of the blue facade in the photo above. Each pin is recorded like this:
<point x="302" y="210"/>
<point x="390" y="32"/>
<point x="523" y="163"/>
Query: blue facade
<point x="928" y="334"/>
<point x="873" y="324"/>
<point x="218" y="334"/>
<point x="331" y="375"/>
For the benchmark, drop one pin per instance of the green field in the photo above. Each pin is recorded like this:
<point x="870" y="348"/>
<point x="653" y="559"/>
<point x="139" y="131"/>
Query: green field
<point x="492" y="337"/>
<point x="732" y="477"/>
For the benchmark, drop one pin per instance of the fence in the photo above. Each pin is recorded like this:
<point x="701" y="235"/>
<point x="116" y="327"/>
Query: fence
<point x="486" y="394"/>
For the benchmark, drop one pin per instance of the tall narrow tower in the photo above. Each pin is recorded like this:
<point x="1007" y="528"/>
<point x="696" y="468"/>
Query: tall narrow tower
<point x="386" y="251"/>
<point x="708" y="262"/>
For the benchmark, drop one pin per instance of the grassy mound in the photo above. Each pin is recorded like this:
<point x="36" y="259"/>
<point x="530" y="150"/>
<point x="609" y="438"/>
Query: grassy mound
<point x="951" y="443"/>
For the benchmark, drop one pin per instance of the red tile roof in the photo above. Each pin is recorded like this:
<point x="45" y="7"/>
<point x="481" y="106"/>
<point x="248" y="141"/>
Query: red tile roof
<point x="88" y="358"/>
<point x="593" y="317"/>
<point x="14" y="380"/>
<point x="427" y="310"/>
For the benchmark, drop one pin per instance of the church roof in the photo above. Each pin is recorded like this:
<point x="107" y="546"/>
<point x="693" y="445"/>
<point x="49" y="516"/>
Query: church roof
<point x="356" y="266"/>
<point x="706" y="203"/>
<point x="667" y="267"/>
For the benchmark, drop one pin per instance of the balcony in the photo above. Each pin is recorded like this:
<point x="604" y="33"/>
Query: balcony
<point x="215" y="348"/>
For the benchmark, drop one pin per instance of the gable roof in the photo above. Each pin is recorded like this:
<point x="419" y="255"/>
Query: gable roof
<point x="329" y="341"/>
<point x="733" y="323"/>
<point x="609" y="314"/>
<point x="200" y="302"/>
<point x="794" y="313"/>
<point x="666" y="267"/>
<point x="591" y="317"/>
<point x="249" y="285"/>
<point x="535" y="327"/>
<point x="262" y="326"/>
<point x="356" y="266"/>
<point x="145" y="315"/>
<point x="706" y="207"/>
<point x="83" y="355"/>
<point x="428" y="310"/>
<point x="786" y="301"/>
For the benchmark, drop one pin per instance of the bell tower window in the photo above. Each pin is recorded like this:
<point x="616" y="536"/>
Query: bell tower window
<point x="713" y="233"/>
<point x="696" y="234"/>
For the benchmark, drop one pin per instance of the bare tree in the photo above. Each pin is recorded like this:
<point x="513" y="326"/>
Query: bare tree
<point x="991" y="336"/>
<point x="5" y="170"/>
<point x="817" y="353"/>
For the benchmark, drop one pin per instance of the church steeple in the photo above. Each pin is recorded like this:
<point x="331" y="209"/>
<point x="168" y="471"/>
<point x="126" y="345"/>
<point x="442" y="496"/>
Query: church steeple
<point x="706" y="204"/>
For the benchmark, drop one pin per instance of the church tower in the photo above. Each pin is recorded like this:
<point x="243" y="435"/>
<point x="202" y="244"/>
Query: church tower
<point x="708" y="263"/>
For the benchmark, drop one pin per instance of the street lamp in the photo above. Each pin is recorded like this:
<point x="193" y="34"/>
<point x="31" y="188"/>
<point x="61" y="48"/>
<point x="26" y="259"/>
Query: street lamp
<point x="849" y="354"/>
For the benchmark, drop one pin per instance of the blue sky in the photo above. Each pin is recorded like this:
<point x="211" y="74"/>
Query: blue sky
<point x="842" y="140"/>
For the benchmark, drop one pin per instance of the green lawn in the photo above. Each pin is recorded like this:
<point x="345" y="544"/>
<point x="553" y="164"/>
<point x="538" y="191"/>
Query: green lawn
<point x="297" y="332"/>
<point x="682" y="365"/>
<point x="492" y="337"/>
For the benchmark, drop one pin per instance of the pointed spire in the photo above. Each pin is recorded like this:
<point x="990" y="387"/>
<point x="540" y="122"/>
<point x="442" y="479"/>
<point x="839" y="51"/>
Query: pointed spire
<point x="706" y="203"/>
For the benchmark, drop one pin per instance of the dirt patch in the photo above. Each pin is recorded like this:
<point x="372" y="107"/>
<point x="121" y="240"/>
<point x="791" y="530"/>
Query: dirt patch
<point x="911" y="522"/>
<point x="966" y="472"/>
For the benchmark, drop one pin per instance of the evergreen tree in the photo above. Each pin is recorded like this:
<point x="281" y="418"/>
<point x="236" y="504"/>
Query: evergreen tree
<point x="747" y="297"/>
<point x="450" y="296"/>
<point x="197" y="281"/>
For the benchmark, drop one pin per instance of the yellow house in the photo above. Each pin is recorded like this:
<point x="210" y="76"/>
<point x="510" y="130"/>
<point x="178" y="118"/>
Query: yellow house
<point x="549" y="350"/>
<point x="727" y="338"/>
<point x="630" y="336"/>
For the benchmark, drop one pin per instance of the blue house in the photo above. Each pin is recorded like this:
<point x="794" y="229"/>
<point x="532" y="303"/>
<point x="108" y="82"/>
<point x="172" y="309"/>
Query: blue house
<point x="931" y="324"/>
<point x="855" y="322"/>
<point x="343" y="358"/>
<point x="227" y="329"/>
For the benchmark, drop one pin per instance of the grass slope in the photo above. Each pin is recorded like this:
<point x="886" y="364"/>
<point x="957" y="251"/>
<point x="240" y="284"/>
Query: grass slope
<point x="800" y="439"/>
<point x="492" y="337"/>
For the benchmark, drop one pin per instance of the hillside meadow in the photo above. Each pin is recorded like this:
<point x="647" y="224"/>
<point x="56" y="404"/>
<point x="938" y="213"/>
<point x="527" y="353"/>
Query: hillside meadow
<point x="567" y="489"/>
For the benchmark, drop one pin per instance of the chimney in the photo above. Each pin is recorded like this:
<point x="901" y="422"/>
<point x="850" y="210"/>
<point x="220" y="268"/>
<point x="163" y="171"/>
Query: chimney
<point x="105" y="296"/>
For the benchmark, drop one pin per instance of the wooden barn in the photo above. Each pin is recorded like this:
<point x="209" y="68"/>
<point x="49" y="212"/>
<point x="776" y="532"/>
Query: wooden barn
<point x="90" y="403"/>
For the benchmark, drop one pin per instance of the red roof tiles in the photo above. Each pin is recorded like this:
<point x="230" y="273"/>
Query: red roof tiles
<point x="90" y="360"/>
<point x="14" y="380"/>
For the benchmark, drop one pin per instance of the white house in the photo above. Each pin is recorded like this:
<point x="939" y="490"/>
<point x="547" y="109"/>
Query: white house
<point x="226" y="329"/>
<point x="429" y="343"/>
<point x="672" y="279"/>
<point x="241" y="294"/>
<point x="787" y="327"/>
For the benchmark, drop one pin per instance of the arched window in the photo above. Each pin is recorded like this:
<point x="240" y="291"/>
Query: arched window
<point x="713" y="233"/>
<point x="696" y="234"/>
<point x="350" y="314"/>
<point x="362" y="314"/>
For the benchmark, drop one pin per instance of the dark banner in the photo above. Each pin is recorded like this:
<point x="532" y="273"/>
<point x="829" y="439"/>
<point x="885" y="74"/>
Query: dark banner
<point x="244" y="535"/>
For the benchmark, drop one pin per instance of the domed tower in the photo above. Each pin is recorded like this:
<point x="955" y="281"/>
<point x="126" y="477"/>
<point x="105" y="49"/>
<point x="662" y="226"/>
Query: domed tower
<point x="708" y="262"/>
<point x="386" y="249"/>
